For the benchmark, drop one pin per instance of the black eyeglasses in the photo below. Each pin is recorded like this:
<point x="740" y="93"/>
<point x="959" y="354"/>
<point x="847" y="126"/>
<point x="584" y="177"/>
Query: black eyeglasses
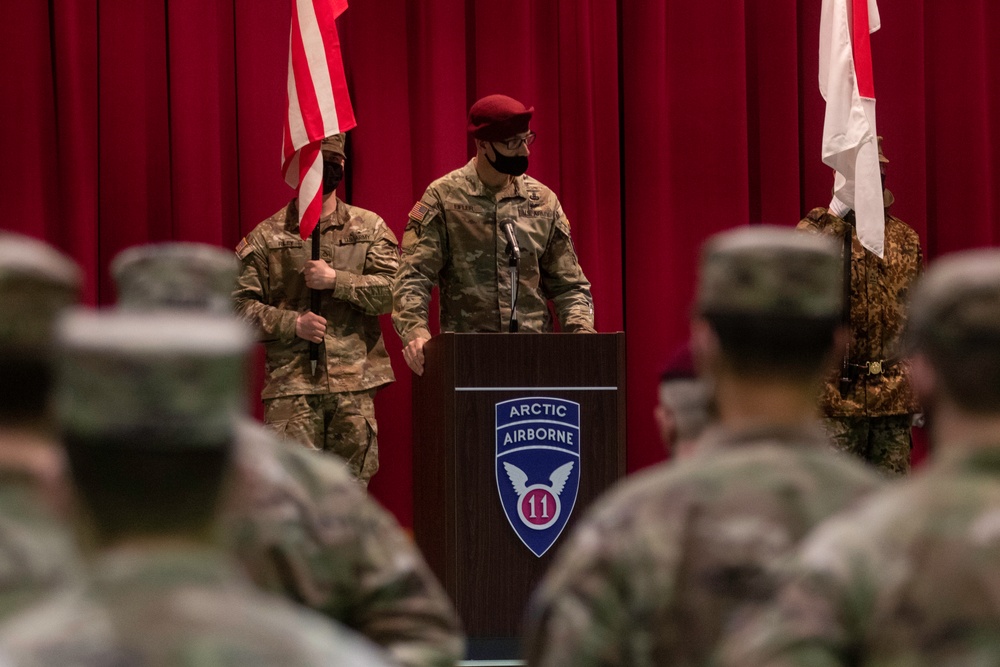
<point x="514" y="143"/>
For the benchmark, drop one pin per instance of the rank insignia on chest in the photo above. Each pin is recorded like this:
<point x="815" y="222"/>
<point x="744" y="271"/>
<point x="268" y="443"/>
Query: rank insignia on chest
<point x="419" y="211"/>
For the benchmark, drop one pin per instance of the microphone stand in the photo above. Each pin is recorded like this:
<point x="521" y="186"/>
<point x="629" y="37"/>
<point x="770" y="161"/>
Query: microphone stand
<point x="512" y="265"/>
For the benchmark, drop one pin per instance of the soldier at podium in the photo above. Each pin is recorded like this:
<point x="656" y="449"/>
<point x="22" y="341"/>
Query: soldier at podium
<point x="463" y="231"/>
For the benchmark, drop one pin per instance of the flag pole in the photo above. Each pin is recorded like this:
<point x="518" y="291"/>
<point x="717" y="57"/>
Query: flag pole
<point x="314" y="301"/>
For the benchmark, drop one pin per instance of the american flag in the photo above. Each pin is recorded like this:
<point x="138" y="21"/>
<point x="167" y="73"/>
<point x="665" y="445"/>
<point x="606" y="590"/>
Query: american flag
<point x="318" y="102"/>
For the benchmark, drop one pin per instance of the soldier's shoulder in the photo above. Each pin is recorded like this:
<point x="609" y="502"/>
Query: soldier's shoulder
<point x="819" y="219"/>
<point x="886" y="520"/>
<point x="272" y="228"/>
<point x="648" y="495"/>
<point x="362" y="217"/>
<point x="275" y="459"/>
<point x="847" y="469"/>
<point x="457" y="180"/>
<point x="279" y="628"/>
<point x="66" y="621"/>
<point x="900" y="229"/>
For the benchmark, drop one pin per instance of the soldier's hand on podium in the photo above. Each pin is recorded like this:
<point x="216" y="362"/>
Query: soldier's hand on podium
<point x="414" y="355"/>
<point x="310" y="327"/>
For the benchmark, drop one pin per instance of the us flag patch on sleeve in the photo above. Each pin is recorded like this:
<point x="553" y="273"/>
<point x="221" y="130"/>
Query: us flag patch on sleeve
<point x="419" y="211"/>
<point x="243" y="249"/>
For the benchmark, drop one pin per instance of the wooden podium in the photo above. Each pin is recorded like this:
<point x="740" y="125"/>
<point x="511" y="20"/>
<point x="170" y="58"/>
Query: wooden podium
<point x="459" y="520"/>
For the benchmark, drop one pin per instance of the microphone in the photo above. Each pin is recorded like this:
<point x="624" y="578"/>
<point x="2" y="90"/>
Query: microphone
<point x="508" y="226"/>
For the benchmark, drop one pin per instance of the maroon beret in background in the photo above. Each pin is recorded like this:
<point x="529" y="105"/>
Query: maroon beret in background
<point x="498" y="117"/>
<point x="680" y="366"/>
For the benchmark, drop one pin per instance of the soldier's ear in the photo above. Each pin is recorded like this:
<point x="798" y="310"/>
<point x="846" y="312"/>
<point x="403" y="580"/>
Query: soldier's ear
<point x="667" y="426"/>
<point x="704" y="346"/>
<point x="841" y="336"/>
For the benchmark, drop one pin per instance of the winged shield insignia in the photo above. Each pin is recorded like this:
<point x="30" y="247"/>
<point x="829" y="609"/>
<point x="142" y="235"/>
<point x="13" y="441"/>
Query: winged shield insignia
<point x="538" y="458"/>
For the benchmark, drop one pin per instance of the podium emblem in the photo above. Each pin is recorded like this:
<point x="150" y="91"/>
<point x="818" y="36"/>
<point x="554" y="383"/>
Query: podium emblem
<point x="538" y="466"/>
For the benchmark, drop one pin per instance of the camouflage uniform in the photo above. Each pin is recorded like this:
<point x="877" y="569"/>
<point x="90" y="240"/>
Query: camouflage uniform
<point x="658" y="569"/>
<point x="662" y="564"/>
<point x="452" y="239"/>
<point x="301" y="526"/>
<point x="905" y="580"/>
<point x="169" y="385"/>
<point x="334" y="409"/>
<point x="909" y="578"/>
<point x="872" y="420"/>
<point x="179" y="607"/>
<point x="37" y="555"/>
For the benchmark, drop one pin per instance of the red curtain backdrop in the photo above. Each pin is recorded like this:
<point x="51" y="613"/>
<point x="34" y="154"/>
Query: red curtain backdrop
<point x="659" y="123"/>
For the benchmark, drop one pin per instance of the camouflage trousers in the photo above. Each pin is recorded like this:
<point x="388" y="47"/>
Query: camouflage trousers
<point x="884" y="442"/>
<point x="340" y="423"/>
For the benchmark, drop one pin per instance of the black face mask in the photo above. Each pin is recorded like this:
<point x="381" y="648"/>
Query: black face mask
<point x="333" y="173"/>
<point x="512" y="165"/>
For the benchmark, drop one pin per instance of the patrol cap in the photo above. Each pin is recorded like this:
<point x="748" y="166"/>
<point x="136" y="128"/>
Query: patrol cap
<point x="176" y="275"/>
<point x="769" y="270"/>
<point x="335" y="143"/>
<point x="887" y="198"/>
<point x="36" y="283"/>
<point x="956" y="304"/>
<point x="151" y="379"/>
<point x="498" y="117"/>
<point x="881" y="156"/>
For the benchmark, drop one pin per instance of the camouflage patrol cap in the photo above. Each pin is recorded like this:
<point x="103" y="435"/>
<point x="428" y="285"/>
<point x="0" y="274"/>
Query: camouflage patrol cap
<point x="152" y="379"/>
<point x="956" y="304"/>
<point x="177" y="276"/>
<point x="335" y="144"/>
<point x="36" y="283"/>
<point x="769" y="270"/>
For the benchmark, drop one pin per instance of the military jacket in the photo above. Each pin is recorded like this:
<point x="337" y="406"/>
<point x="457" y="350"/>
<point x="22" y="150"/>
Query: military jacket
<point x="880" y="289"/>
<point x="303" y="527"/>
<point x="180" y="607"/>
<point x="271" y="293"/>
<point x="37" y="553"/>
<point x="453" y="239"/>
<point x="908" y="578"/>
<point x="671" y="556"/>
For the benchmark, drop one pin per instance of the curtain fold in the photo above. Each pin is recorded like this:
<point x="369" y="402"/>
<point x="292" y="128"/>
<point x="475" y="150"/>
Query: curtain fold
<point x="134" y="122"/>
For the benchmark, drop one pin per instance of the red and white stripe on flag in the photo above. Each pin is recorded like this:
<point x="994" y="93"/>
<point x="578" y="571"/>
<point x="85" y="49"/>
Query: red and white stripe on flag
<point x="318" y="102"/>
<point x="850" y="145"/>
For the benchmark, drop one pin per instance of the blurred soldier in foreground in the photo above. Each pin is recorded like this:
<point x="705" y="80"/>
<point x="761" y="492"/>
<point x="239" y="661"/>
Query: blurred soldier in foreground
<point x="672" y="555"/>
<point x="867" y="401"/>
<point x="909" y="578"/>
<point x="685" y="406"/>
<point x="455" y="239"/>
<point x="302" y="525"/>
<point x="36" y="551"/>
<point x="332" y="408"/>
<point x="148" y="405"/>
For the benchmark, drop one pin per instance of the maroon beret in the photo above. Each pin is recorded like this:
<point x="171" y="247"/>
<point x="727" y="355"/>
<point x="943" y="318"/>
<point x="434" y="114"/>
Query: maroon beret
<point x="680" y="366"/>
<point x="498" y="117"/>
